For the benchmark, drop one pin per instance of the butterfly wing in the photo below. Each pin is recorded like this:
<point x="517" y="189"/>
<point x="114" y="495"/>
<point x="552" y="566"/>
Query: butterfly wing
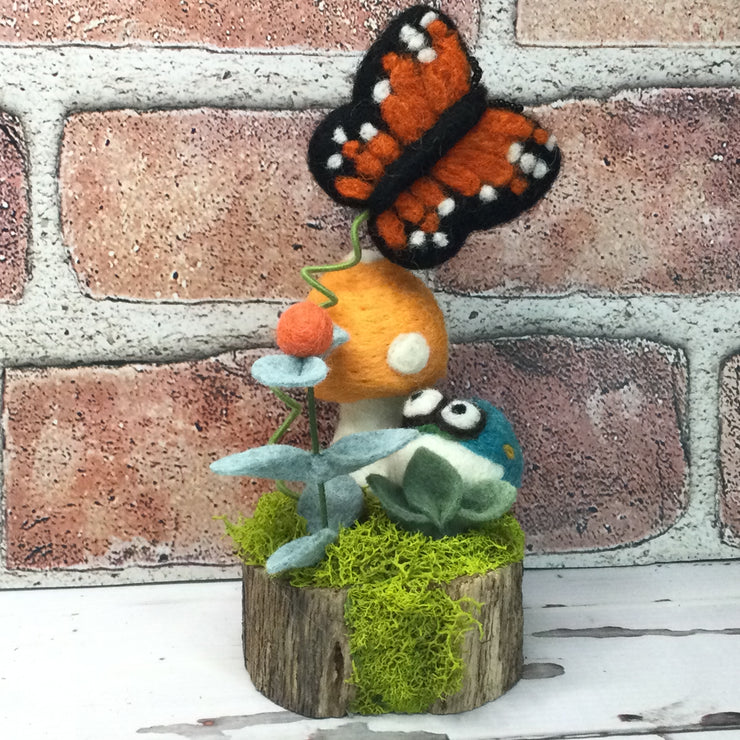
<point x="501" y="167"/>
<point x="421" y="149"/>
<point x="416" y="93"/>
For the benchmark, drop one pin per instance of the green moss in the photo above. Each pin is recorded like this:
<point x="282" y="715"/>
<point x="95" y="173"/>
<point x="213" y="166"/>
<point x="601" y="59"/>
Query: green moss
<point x="274" y="523"/>
<point x="405" y="632"/>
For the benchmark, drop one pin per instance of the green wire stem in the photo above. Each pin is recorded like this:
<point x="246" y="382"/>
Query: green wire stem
<point x="316" y="448"/>
<point x="279" y="433"/>
<point x="295" y="410"/>
<point x="282" y="488"/>
<point x="307" y="273"/>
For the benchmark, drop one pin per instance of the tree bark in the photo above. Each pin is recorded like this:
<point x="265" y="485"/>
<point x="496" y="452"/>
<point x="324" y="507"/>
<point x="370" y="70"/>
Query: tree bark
<point x="296" y="645"/>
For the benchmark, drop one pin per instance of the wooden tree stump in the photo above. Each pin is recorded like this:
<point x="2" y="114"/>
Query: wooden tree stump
<point x="296" y="646"/>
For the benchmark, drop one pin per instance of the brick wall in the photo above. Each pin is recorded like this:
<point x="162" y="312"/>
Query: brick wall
<point x="155" y="209"/>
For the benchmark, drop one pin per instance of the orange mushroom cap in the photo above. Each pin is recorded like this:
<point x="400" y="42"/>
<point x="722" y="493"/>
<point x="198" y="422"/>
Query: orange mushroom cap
<point x="397" y="336"/>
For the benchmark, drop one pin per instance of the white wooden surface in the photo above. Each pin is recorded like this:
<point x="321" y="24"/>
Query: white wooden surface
<point x="650" y="652"/>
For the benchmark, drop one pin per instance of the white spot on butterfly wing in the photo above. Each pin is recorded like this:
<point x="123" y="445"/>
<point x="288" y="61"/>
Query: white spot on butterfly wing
<point x="551" y="143"/>
<point x="367" y="131"/>
<point x="381" y="91"/>
<point x="428" y="18"/>
<point x="414" y="40"/>
<point x="417" y="238"/>
<point x="440" y="239"/>
<point x="339" y="136"/>
<point x="488" y="193"/>
<point x="406" y="33"/>
<point x="540" y="170"/>
<point x="515" y="152"/>
<point x="527" y="162"/>
<point x="446" y="207"/>
<point x="334" y="162"/>
<point x="426" y="55"/>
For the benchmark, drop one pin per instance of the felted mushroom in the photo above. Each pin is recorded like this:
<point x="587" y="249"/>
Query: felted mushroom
<point x="397" y="343"/>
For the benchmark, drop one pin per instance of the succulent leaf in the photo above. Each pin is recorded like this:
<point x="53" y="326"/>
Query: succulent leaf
<point x="394" y="502"/>
<point x="432" y="487"/>
<point x="487" y="500"/>
<point x="435" y="500"/>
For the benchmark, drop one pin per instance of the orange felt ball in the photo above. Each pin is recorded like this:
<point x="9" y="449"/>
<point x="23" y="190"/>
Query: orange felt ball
<point x="304" y="330"/>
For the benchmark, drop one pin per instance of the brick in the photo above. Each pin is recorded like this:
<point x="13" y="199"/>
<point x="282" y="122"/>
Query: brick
<point x="13" y="210"/>
<point x="647" y="202"/>
<point x="108" y="466"/>
<point x="269" y="24"/>
<point x="601" y="424"/>
<point x="627" y="23"/>
<point x="729" y="501"/>
<point x="195" y="204"/>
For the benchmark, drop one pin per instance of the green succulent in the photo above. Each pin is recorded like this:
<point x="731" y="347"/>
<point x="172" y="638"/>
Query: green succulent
<point x="434" y="499"/>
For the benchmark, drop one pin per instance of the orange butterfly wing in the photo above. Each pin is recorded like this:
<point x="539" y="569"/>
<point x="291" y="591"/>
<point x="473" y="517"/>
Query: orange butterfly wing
<point x="499" y="169"/>
<point x="420" y="149"/>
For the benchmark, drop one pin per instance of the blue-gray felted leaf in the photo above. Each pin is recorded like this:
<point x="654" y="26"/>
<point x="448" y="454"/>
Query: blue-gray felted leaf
<point x="269" y="461"/>
<point x="301" y="553"/>
<point x="343" y="503"/>
<point x="432" y="487"/>
<point x="339" y="336"/>
<point x="286" y="371"/>
<point x="357" y="450"/>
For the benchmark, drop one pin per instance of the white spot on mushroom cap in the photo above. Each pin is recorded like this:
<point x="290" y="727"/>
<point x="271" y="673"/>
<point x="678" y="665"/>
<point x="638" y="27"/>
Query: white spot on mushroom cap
<point x="408" y="354"/>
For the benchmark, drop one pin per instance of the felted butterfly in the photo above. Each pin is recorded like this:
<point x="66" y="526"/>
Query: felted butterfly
<point x="420" y="147"/>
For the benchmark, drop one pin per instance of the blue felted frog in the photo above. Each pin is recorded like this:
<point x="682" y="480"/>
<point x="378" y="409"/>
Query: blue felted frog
<point x="462" y="470"/>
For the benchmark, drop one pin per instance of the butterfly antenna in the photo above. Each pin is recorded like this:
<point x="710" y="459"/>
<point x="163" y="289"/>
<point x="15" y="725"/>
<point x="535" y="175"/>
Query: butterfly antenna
<point x="307" y="273"/>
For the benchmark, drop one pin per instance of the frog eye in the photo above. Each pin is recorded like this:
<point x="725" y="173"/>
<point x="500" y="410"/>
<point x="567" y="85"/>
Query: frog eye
<point x="462" y="419"/>
<point x="421" y="406"/>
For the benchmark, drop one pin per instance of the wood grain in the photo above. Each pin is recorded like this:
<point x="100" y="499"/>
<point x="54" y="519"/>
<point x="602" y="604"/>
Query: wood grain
<point x="296" y="645"/>
<point x="494" y="664"/>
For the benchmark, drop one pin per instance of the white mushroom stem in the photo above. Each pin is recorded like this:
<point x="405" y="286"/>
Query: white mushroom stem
<point x="368" y="415"/>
